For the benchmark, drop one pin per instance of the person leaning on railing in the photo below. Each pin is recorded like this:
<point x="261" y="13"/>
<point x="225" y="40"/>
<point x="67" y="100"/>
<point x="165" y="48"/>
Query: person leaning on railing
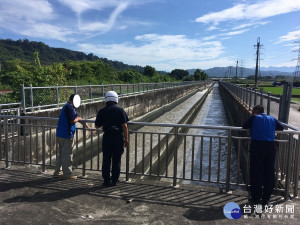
<point x="262" y="154"/>
<point x="114" y="121"/>
<point x="65" y="135"/>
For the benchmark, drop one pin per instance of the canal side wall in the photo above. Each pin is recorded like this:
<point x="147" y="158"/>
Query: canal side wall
<point x="236" y="114"/>
<point x="134" y="105"/>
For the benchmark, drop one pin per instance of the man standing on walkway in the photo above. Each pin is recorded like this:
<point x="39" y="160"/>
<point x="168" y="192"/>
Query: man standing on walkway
<point x="114" y="121"/>
<point x="65" y="134"/>
<point x="262" y="154"/>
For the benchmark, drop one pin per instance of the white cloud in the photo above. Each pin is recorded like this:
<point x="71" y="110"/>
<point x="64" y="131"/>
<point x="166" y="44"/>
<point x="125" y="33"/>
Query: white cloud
<point x="104" y="27"/>
<point x="210" y="37"/>
<point x="254" y="24"/>
<point x="164" y="52"/>
<point x="260" y="10"/>
<point x="48" y="31"/>
<point x="17" y="10"/>
<point x="85" y="5"/>
<point x="234" y="32"/>
<point x="32" y="19"/>
<point x="291" y="36"/>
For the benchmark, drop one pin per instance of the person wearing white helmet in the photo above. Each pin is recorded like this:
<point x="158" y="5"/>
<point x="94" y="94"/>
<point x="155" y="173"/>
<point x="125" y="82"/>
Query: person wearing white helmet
<point x="65" y="134"/>
<point x="114" y="120"/>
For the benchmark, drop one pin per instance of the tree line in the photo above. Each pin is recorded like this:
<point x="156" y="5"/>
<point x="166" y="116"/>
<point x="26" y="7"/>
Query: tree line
<point x="16" y="72"/>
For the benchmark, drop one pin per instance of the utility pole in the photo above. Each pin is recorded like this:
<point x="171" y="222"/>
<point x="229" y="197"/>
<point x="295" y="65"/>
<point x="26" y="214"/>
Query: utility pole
<point x="242" y="68"/>
<point x="258" y="45"/>
<point x="236" y="69"/>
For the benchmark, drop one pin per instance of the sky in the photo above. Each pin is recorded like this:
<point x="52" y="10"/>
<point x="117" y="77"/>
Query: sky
<point x="164" y="34"/>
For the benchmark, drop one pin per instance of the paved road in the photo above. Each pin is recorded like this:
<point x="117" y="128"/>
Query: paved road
<point x="28" y="196"/>
<point x="294" y="117"/>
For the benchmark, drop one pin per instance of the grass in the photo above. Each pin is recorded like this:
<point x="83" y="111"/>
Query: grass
<point x="279" y="90"/>
<point x="296" y="100"/>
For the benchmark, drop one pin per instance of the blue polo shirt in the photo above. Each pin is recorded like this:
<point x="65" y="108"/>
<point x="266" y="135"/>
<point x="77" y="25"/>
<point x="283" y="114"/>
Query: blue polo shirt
<point x="262" y="127"/>
<point x="66" y="129"/>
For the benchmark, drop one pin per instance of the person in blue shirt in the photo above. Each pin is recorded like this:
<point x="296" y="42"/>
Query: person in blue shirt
<point x="114" y="120"/>
<point x="65" y="135"/>
<point x="262" y="154"/>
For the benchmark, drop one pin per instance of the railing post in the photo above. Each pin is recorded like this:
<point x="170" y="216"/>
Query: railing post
<point x="261" y="97"/>
<point x="250" y="98"/>
<point x="268" y="103"/>
<point x="57" y="96"/>
<point x="228" y="161"/>
<point x="84" y="148"/>
<point x="31" y="98"/>
<point x="255" y="97"/>
<point x="7" y="143"/>
<point x="288" y="168"/>
<point x="43" y="146"/>
<point x="175" y="156"/>
<point x="91" y="93"/>
<point x="296" y="170"/>
<point x="23" y="98"/>
<point x="127" y="157"/>
<point x="246" y="97"/>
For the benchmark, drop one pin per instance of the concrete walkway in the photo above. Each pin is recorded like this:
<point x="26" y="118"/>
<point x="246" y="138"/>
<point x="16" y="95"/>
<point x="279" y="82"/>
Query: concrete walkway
<point x="28" y="196"/>
<point x="294" y="116"/>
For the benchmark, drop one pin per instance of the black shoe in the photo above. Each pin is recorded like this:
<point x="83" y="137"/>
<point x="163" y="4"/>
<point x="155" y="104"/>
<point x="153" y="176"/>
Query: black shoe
<point x="106" y="183"/>
<point x="114" y="183"/>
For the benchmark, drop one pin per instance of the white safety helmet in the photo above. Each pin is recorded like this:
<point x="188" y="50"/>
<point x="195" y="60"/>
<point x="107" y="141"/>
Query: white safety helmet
<point x="111" y="96"/>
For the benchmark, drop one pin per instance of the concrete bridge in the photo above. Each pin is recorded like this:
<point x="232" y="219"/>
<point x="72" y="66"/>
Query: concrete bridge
<point x="155" y="154"/>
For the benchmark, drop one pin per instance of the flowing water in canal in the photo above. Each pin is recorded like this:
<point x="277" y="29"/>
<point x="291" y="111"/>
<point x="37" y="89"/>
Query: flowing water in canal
<point x="192" y="161"/>
<point x="207" y="164"/>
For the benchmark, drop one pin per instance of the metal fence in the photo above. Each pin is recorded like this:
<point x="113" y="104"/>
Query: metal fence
<point x="10" y="109"/>
<point x="36" y="98"/>
<point x="251" y="97"/>
<point x="209" y="155"/>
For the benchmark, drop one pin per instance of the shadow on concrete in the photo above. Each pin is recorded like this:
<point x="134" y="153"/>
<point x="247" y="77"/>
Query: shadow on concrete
<point x="35" y="187"/>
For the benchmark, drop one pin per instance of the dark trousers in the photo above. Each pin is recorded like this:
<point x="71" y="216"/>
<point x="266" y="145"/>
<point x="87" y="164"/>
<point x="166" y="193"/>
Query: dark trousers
<point x="262" y="170"/>
<point x="112" y="147"/>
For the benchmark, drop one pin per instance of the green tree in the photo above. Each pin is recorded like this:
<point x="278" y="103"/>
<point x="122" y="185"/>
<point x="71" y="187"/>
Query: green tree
<point x="149" y="71"/>
<point x="188" y="78"/>
<point x="197" y="74"/>
<point x="179" y="73"/>
<point x="203" y="75"/>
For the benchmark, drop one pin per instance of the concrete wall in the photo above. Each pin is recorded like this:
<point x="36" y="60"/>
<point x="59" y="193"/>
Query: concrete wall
<point x="236" y="114"/>
<point x="134" y="105"/>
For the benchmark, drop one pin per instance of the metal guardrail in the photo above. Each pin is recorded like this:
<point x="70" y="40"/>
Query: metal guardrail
<point x="36" y="98"/>
<point x="251" y="97"/>
<point x="10" y="109"/>
<point x="209" y="155"/>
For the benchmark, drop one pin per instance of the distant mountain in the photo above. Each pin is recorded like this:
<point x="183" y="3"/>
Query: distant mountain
<point x="24" y="49"/>
<point x="281" y="69"/>
<point x="241" y="72"/>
